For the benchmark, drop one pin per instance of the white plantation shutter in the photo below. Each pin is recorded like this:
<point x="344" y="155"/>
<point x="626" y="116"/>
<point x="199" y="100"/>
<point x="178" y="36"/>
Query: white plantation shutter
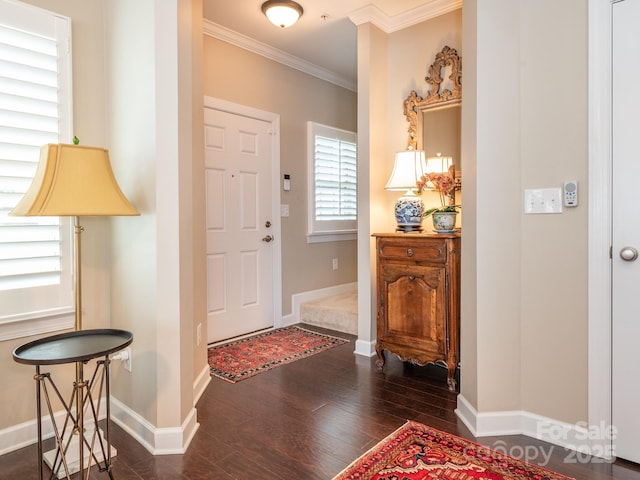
<point x="335" y="179"/>
<point x="332" y="184"/>
<point x="35" y="252"/>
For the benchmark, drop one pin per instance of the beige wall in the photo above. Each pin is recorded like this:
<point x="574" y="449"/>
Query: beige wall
<point x="372" y="143"/>
<point x="155" y="132"/>
<point x="554" y="146"/>
<point x="408" y="67"/>
<point x="497" y="247"/>
<point x="388" y="69"/>
<point x="236" y="75"/>
<point x="524" y="278"/>
<point x="131" y="108"/>
<point x="141" y="274"/>
<point x="524" y="330"/>
<point x="524" y="318"/>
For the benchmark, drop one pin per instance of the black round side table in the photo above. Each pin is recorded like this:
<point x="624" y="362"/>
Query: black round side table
<point x="75" y="347"/>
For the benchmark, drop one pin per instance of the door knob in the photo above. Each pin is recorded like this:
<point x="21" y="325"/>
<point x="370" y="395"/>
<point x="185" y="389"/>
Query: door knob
<point x="629" y="254"/>
<point x="267" y="239"/>
<point x="267" y="224"/>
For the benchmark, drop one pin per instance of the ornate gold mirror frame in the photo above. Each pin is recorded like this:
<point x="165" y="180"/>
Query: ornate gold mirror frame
<point x="414" y="105"/>
<point x="435" y="121"/>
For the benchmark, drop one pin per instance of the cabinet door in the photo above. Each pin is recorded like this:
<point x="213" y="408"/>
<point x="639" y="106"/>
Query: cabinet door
<point x="415" y="307"/>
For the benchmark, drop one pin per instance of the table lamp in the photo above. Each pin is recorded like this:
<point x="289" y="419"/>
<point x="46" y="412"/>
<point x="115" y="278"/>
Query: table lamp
<point x="408" y="169"/>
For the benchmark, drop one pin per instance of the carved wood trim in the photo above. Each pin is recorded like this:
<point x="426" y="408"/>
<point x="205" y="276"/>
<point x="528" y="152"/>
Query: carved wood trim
<point x="435" y="97"/>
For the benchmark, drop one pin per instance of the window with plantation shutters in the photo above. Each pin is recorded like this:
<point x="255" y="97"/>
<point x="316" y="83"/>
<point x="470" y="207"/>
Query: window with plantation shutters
<point x="332" y="183"/>
<point x="36" y="290"/>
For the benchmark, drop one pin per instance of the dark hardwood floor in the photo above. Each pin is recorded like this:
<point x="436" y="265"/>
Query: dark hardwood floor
<point x="309" y="420"/>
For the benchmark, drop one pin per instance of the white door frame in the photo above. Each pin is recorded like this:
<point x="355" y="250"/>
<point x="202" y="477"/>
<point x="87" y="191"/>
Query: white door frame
<point x="274" y="120"/>
<point x="600" y="221"/>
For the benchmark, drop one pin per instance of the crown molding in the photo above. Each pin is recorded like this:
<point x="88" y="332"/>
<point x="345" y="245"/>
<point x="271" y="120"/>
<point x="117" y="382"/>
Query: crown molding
<point x="390" y="24"/>
<point x="247" y="43"/>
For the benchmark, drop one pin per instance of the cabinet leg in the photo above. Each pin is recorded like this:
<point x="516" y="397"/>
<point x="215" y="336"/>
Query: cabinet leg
<point x="451" y="381"/>
<point x="381" y="359"/>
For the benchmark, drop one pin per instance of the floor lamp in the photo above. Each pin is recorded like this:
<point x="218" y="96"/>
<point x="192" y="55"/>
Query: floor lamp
<point x="75" y="181"/>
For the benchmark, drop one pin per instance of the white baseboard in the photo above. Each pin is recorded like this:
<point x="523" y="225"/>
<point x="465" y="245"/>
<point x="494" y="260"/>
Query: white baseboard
<point x="24" y="434"/>
<point x="580" y="437"/>
<point x="158" y="441"/>
<point x="299" y="298"/>
<point x="365" y="348"/>
<point x="200" y="383"/>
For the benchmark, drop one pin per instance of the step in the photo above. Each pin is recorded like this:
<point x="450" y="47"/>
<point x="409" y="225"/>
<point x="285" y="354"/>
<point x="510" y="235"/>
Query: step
<point x="337" y="312"/>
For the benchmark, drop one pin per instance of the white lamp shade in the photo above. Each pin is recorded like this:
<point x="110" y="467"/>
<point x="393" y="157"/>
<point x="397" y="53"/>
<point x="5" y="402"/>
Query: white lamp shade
<point x="73" y="180"/>
<point x="407" y="171"/>
<point x="438" y="164"/>
<point x="282" y="14"/>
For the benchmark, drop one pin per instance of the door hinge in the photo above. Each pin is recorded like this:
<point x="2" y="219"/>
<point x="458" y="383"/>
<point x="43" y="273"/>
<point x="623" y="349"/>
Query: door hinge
<point x="272" y="131"/>
<point x="611" y="251"/>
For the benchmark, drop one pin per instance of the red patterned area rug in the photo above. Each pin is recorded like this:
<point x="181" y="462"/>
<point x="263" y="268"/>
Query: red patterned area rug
<point x="250" y="356"/>
<point x="418" y="452"/>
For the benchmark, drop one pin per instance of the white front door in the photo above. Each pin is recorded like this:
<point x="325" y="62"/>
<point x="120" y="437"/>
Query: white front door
<point x="240" y="227"/>
<point x="626" y="229"/>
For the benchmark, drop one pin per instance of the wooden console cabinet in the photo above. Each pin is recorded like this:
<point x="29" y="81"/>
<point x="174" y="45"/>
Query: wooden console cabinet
<point x="418" y="300"/>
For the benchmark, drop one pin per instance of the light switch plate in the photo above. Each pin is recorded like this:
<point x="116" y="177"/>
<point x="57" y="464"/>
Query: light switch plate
<point x="543" y="200"/>
<point x="284" y="210"/>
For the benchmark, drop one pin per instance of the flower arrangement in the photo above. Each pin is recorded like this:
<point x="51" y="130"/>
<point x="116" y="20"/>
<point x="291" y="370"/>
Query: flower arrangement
<point x="445" y="186"/>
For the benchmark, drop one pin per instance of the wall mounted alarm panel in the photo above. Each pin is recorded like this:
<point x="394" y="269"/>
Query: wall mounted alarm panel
<point x="570" y="193"/>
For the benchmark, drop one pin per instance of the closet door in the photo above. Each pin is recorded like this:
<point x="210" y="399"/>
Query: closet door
<point x="626" y="229"/>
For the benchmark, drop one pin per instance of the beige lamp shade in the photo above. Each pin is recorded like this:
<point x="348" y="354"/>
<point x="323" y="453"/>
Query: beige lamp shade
<point x="73" y="180"/>
<point x="408" y="168"/>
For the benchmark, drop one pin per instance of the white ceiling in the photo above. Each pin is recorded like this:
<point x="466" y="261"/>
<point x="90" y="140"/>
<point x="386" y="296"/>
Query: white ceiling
<point x="325" y="35"/>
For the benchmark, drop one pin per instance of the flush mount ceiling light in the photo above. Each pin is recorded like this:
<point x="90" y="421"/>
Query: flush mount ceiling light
<point x="282" y="13"/>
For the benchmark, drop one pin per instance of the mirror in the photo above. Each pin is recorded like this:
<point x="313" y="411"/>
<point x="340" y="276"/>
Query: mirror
<point x="441" y="132"/>
<point x="435" y="120"/>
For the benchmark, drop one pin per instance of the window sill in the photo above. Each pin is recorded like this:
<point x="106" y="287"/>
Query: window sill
<point x="37" y="324"/>
<point x="320" y="237"/>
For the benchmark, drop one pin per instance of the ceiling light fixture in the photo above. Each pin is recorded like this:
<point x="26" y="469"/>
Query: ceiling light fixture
<point x="282" y="13"/>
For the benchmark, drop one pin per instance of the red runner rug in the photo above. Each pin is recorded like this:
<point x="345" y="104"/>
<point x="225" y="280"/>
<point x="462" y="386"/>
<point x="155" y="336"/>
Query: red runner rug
<point x="418" y="452"/>
<point x="250" y="356"/>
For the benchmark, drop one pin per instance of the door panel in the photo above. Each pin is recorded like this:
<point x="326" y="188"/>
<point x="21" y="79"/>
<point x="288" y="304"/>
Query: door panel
<point x="415" y="299"/>
<point x="238" y="176"/>
<point x="626" y="228"/>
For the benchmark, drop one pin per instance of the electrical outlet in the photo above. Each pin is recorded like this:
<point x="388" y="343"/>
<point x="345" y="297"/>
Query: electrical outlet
<point x="199" y="334"/>
<point x="127" y="360"/>
<point x="335" y="263"/>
